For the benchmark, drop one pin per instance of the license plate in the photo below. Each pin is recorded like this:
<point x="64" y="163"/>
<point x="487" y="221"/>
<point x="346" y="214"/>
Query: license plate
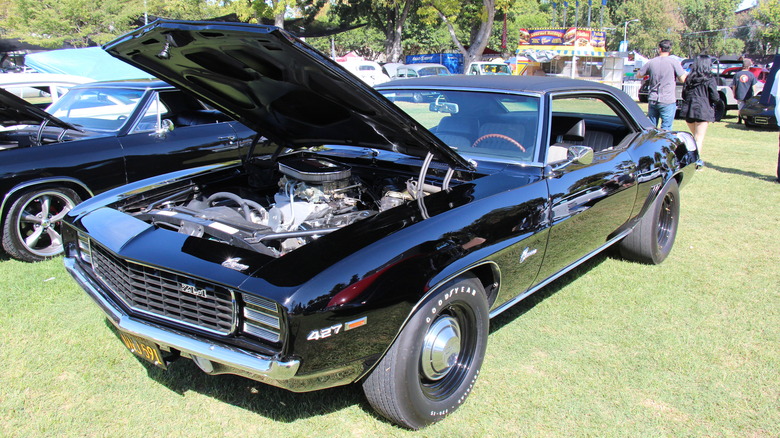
<point x="761" y="120"/>
<point x="143" y="348"/>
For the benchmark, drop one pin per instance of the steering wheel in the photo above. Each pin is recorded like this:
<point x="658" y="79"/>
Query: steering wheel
<point x="501" y="137"/>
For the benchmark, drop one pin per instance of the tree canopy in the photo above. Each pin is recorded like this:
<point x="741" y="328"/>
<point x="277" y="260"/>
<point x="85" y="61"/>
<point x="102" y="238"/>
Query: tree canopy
<point x="390" y="29"/>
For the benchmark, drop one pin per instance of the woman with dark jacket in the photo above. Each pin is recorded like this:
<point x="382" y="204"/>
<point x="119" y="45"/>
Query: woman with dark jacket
<point x="700" y="93"/>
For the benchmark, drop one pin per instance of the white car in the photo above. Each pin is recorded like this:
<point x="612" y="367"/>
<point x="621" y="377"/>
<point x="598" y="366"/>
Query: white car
<point x="40" y="89"/>
<point x="369" y="72"/>
<point x="488" y="68"/>
<point x="419" y="70"/>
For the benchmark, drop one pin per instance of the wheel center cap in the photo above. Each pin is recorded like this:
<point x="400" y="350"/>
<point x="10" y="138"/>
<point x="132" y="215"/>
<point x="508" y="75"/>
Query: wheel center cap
<point x="441" y="348"/>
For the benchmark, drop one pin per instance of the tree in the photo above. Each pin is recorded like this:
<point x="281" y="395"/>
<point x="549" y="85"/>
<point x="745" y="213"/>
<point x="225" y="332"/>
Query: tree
<point x="388" y="16"/>
<point x="768" y="16"/>
<point x="708" y="23"/>
<point x="80" y="23"/>
<point x="658" y="20"/>
<point x="468" y="20"/>
<point x="520" y="14"/>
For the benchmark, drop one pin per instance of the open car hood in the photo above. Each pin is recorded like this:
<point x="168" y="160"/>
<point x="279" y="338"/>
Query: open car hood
<point x="17" y="111"/>
<point x="277" y="85"/>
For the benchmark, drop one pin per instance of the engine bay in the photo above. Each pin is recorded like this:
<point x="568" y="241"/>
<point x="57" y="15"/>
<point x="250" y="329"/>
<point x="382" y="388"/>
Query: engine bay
<point x="312" y="196"/>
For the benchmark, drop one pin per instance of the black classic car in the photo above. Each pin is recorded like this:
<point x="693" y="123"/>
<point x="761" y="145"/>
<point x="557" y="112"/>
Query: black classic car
<point x="759" y="115"/>
<point x="368" y="238"/>
<point x="96" y="137"/>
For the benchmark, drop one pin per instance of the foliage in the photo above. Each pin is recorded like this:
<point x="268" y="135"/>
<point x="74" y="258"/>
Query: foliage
<point x="469" y="23"/>
<point x="366" y="41"/>
<point x="520" y="14"/>
<point x="768" y="15"/>
<point x="80" y="23"/>
<point x="708" y="23"/>
<point x="658" y="20"/>
<point x="387" y="16"/>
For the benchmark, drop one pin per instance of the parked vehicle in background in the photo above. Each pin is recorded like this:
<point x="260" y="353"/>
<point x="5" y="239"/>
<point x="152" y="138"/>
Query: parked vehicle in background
<point x="488" y="68"/>
<point x="420" y="70"/>
<point x="366" y="242"/>
<point x="724" y="71"/>
<point x="760" y="73"/>
<point x="96" y="137"/>
<point x="40" y="89"/>
<point x="757" y="115"/>
<point x="369" y="72"/>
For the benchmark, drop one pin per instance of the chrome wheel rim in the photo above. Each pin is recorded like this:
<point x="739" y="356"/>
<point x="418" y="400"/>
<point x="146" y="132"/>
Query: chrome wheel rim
<point x="666" y="220"/>
<point x="39" y="226"/>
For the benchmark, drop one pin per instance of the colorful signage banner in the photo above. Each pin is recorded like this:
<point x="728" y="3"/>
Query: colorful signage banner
<point x="572" y="41"/>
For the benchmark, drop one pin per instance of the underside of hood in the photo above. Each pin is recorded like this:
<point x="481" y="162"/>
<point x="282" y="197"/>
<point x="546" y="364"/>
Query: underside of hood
<point x="277" y="85"/>
<point x="17" y="111"/>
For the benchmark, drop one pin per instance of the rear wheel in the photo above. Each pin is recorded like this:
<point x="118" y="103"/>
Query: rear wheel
<point x="32" y="227"/>
<point x="433" y="365"/>
<point x="720" y="109"/>
<point x="653" y="237"/>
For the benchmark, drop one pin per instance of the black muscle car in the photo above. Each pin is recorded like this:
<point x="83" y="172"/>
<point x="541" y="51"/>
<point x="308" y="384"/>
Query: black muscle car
<point x="369" y="237"/>
<point x="96" y="137"/>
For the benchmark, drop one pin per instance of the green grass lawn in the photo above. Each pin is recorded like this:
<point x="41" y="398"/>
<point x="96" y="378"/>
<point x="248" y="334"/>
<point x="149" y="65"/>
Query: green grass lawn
<point x="687" y="348"/>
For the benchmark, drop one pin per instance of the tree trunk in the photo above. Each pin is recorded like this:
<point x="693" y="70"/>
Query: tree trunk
<point x="479" y="40"/>
<point x="394" y="32"/>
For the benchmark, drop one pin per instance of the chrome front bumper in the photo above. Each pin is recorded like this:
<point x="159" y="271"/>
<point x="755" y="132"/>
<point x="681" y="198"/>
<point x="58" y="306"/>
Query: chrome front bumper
<point x="212" y="357"/>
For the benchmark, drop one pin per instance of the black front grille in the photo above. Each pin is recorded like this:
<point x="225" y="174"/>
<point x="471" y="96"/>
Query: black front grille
<point x="166" y="294"/>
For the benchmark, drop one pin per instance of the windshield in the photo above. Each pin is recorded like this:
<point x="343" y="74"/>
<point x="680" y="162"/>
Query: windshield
<point x="433" y="71"/>
<point x="101" y="109"/>
<point x="495" y="69"/>
<point x="480" y="124"/>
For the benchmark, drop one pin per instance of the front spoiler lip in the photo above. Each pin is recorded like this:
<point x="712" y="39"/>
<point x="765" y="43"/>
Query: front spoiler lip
<point x="271" y="370"/>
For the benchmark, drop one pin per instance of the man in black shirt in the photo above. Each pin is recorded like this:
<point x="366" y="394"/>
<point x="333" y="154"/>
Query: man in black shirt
<point x="742" y="85"/>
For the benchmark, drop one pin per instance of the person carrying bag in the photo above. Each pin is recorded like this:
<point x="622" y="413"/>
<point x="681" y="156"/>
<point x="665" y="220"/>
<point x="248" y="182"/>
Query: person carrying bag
<point x="699" y="95"/>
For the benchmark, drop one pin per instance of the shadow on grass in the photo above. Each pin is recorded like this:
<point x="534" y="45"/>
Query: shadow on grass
<point x="742" y="127"/>
<point x="551" y="289"/>
<point x="183" y="376"/>
<point x="279" y="404"/>
<point x="740" y="172"/>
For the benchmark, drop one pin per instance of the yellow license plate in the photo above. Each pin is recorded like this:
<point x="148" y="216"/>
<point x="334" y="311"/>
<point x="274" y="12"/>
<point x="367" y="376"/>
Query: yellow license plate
<point x="144" y="349"/>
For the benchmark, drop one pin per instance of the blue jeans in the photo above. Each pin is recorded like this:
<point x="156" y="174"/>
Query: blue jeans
<point x="664" y="111"/>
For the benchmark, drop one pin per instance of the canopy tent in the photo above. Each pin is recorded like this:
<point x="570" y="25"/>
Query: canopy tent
<point x="91" y="62"/>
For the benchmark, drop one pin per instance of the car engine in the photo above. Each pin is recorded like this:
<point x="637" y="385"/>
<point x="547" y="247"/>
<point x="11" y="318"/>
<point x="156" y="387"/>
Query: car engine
<point x="315" y="196"/>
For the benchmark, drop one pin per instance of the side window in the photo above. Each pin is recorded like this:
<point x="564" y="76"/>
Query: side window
<point x="155" y="110"/>
<point x="596" y="122"/>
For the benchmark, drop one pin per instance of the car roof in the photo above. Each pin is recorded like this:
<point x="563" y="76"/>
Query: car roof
<point x="520" y="84"/>
<point x="531" y="84"/>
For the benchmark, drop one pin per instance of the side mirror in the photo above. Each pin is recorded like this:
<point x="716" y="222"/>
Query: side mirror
<point x="166" y="126"/>
<point x="576" y="154"/>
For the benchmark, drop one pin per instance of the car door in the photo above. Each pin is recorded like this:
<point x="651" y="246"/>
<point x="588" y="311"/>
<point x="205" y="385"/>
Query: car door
<point x="589" y="202"/>
<point x="201" y="140"/>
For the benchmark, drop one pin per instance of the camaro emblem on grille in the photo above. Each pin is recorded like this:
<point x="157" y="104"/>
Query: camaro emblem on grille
<point x="192" y="290"/>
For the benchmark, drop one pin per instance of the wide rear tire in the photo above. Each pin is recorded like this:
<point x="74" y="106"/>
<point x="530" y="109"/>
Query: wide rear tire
<point x="652" y="238"/>
<point x="433" y="364"/>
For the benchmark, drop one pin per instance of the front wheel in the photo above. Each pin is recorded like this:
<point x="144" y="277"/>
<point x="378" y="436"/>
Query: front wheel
<point x="652" y="238"/>
<point x="32" y="227"/>
<point x="433" y="364"/>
